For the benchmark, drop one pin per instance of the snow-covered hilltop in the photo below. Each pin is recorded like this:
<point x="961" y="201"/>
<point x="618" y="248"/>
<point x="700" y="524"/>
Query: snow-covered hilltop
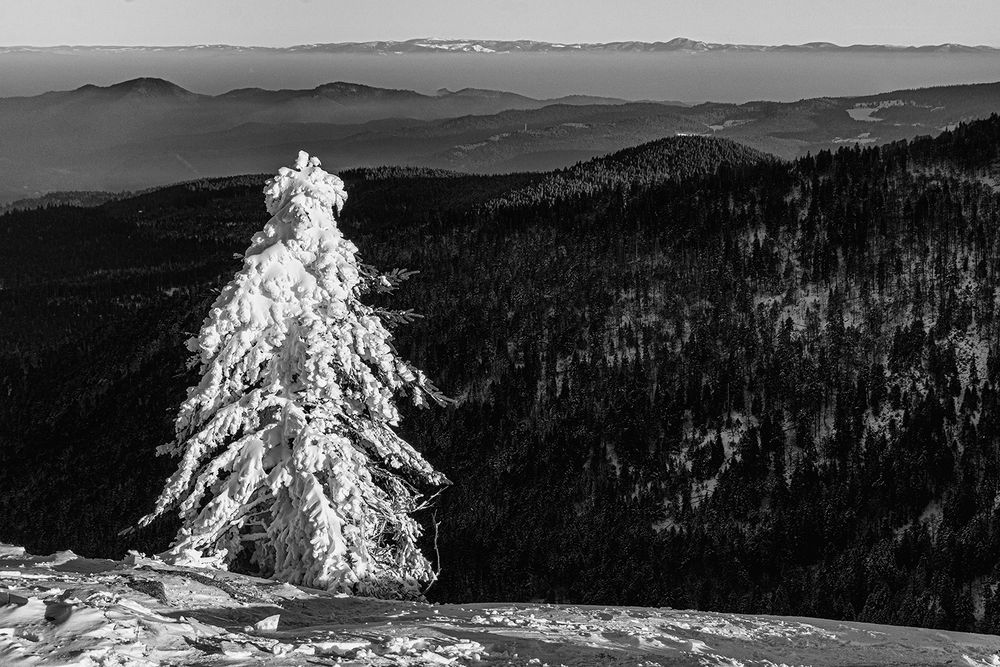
<point x="67" y="610"/>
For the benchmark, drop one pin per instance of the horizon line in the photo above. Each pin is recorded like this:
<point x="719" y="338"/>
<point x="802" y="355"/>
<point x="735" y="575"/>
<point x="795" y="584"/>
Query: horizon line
<point x="498" y="40"/>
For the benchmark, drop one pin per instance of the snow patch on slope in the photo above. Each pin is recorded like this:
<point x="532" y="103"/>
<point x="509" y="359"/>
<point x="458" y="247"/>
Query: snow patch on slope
<point x="67" y="610"/>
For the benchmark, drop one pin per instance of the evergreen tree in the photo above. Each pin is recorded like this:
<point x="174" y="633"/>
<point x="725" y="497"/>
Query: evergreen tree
<point x="288" y="458"/>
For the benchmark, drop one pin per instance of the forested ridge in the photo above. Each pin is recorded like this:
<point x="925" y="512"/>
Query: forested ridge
<point x="739" y="384"/>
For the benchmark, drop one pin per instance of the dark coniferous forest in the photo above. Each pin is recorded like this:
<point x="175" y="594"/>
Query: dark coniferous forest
<point x="683" y="375"/>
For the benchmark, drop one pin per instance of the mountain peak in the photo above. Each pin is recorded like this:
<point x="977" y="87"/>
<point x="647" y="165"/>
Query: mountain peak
<point x="142" y="86"/>
<point x="349" y="89"/>
<point x="685" y="43"/>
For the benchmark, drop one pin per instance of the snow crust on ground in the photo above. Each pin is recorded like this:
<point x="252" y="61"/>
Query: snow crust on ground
<point x="67" y="610"/>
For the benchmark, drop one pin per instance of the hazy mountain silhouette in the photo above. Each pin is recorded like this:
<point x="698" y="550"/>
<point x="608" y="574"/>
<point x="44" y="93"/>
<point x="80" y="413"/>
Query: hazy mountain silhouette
<point x="148" y="131"/>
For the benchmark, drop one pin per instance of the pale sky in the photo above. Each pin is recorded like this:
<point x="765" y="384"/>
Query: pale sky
<point x="288" y="22"/>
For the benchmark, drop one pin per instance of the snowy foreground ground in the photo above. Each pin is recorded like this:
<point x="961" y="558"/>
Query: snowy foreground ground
<point x="67" y="610"/>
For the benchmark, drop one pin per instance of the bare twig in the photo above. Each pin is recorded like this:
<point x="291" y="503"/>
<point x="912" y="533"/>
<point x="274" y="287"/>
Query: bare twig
<point x="437" y="554"/>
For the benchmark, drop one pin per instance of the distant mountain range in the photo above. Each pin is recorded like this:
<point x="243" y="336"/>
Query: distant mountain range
<point x="443" y="102"/>
<point x="116" y="136"/>
<point x="147" y="132"/>
<point x="434" y="45"/>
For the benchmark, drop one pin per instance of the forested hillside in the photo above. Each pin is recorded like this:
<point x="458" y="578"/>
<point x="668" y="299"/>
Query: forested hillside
<point x="728" y="383"/>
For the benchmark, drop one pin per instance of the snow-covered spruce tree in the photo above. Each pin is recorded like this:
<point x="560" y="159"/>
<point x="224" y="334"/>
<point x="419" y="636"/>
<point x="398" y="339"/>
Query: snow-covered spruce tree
<point x="287" y="452"/>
